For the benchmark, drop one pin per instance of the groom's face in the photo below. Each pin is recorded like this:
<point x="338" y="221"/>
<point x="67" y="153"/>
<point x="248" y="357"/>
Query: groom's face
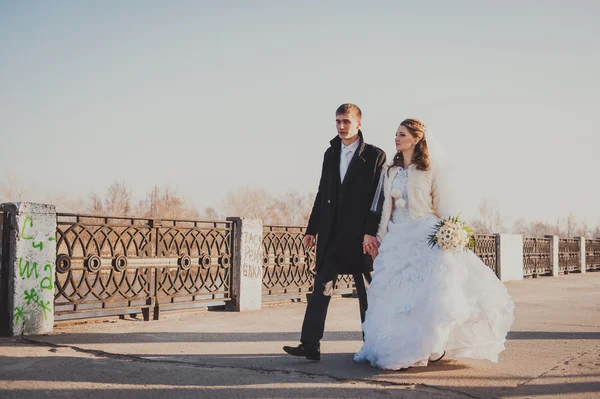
<point x="347" y="126"/>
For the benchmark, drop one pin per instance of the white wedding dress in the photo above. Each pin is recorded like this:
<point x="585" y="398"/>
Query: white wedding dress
<point x="424" y="301"/>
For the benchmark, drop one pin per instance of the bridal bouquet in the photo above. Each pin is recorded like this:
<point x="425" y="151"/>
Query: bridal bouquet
<point x="452" y="234"/>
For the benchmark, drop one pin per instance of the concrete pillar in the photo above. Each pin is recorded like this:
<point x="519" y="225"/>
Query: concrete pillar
<point x="554" y="254"/>
<point x="510" y="257"/>
<point x="247" y="266"/>
<point x="30" y="262"/>
<point x="582" y="263"/>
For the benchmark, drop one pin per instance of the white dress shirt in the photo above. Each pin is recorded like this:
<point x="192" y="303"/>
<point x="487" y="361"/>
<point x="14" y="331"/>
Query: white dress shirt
<point x="346" y="157"/>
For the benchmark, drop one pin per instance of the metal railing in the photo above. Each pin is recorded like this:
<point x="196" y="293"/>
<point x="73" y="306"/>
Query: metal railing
<point x="287" y="265"/>
<point x="109" y="265"/>
<point x="288" y="268"/>
<point x="115" y="265"/>
<point x="536" y="256"/>
<point x="486" y="248"/>
<point x="568" y="255"/>
<point x="592" y="254"/>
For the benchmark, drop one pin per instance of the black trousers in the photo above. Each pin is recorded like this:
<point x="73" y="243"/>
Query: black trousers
<point x="316" y="309"/>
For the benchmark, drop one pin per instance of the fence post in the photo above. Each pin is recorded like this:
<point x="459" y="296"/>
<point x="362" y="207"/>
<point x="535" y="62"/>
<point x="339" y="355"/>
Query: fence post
<point x="582" y="264"/>
<point x="554" y="254"/>
<point x="246" y="283"/>
<point x="510" y="257"/>
<point x="30" y="262"/>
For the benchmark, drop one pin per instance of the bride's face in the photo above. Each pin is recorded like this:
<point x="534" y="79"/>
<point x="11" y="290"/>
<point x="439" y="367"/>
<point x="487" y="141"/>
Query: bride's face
<point x="404" y="140"/>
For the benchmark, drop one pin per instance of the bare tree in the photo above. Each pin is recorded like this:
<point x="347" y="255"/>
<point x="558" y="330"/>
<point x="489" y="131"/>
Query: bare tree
<point x="172" y="206"/>
<point x="534" y="228"/>
<point x="596" y="232"/>
<point x="521" y="226"/>
<point x="118" y="199"/>
<point x="300" y="206"/>
<point x="165" y="203"/>
<point x="583" y="230"/>
<point x="250" y="203"/>
<point x="292" y="208"/>
<point x="141" y="208"/>
<point x="153" y="199"/>
<point x="540" y="229"/>
<point x="211" y="213"/>
<point x="159" y="203"/>
<point x="557" y="230"/>
<point x="10" y="191"/>
<point x="64" y="204"/>
<point x="95" y="206"/>
<point x="571" y="225"/>
<point x="489" y="220"/>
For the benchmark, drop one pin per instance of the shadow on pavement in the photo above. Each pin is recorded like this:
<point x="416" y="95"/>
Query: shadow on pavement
<point x="288" y="337"/>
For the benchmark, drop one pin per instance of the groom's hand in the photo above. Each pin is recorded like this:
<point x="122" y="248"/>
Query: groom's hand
<point x="309" y="241"/>
<point x="370" y="243"/>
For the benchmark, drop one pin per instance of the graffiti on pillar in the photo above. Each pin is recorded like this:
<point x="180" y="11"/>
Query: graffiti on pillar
<point x="27" y="224"/>
<point x="252" y="255"/>
<point x="29" y="269"/>
<point x="19" y="314"/>
<point x="33" y="297"/>
<point x="35" y="280"/>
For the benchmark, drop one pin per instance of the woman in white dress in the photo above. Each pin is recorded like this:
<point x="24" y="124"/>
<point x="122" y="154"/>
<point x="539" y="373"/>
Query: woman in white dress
<point x="426" y="303"/>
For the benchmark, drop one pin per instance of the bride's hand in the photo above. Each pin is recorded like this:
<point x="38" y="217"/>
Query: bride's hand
<point x="374" y="252"/>
<point x="370" y="243"/>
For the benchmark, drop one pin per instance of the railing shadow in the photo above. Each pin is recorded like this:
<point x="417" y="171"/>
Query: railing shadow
<point x="177" y="376"/>
<point x="291" y="337"/>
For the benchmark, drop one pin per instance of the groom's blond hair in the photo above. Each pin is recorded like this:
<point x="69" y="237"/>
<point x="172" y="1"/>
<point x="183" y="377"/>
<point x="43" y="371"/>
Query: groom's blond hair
<point x="349" y="109"/>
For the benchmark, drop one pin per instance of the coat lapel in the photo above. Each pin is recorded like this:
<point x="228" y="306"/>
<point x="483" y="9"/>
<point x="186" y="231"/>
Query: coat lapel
<point x="334" y="168"/>
<point x="356" y="164"/>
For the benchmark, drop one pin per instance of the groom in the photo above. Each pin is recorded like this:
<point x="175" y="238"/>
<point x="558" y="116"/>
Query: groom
<point x="342" y="220"/>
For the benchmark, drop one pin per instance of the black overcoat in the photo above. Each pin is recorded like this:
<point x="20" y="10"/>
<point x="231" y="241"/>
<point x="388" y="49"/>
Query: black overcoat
<point x="341" y="213"/>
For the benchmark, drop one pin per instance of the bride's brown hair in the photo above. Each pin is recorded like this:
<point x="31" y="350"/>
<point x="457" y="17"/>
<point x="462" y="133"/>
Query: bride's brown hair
<point x="421" y="153"/>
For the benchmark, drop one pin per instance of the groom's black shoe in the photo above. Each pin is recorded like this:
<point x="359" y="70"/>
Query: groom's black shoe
<point x="310" y="352"/>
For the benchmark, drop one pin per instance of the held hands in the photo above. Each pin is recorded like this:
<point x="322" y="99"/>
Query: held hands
<point x="309" y="241"/>
<point x="371" y="246"/>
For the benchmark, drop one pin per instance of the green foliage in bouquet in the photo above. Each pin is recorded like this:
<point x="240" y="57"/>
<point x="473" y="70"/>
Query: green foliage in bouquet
<point x="449" y="230"/>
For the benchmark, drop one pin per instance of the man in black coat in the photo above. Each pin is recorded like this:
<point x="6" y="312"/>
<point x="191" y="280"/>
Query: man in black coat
<point x="342" y="220"/>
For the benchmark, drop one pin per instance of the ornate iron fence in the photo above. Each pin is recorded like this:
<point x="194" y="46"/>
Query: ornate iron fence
<point x="287" y="265"/>
<point x="115" y="265"/>
<point x="486" y="248"/>
<point x="288" y="268"/>
<point x="344" y="285"/>
<point x="568" y="255"/>
<point x="536" y="256"/>
<point x="592" y="254"/>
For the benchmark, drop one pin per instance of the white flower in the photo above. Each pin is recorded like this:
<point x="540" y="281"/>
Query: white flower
<point x="396" y="193"/>
<point x="400" y="203"/>
<point x="452" y="235"/>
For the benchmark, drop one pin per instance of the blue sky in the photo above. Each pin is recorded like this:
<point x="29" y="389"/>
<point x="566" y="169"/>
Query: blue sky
<point x="207" y="97"/>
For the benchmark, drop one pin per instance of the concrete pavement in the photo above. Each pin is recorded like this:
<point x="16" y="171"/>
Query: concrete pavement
<point x="553" y="351"/>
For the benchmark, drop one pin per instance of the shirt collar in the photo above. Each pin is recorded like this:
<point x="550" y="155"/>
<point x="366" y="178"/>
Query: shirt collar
<point x="352" y="147"/>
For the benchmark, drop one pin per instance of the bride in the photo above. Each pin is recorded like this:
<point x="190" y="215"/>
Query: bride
<point x="426" y="303"/>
